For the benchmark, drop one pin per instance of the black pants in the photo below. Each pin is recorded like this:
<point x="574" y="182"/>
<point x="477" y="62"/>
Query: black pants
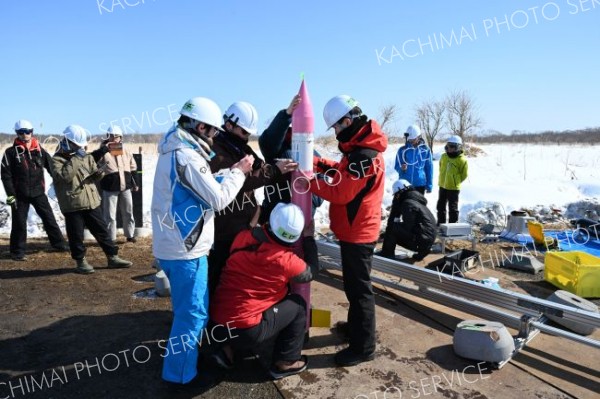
<point x="410" y="242"/>
<point x="18" y="233"/>
<point x="94" y="221"/>
<point x="449" y="197"/>
<point x="285" y="322"/>
<point x="356" y="267"/>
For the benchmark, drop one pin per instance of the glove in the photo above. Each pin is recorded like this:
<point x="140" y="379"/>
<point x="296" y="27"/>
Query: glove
<point x="80" y="153"/>
<point x="11" y="200"/>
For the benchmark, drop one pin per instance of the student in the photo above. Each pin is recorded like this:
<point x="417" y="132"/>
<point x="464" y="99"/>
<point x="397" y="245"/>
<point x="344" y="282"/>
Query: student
<point x="414" y="161"/>
<point x="184" y="201"/>
<point x="355" y="194"/>
<point x="117" y="185"/>
<point x="453" y="171"/>
<point x="253" y="298"/>
<point x="23" y="167"/>
<point x="230" y="146"/>
<point x="75" y="175"/>
<point x="410" y="224"/>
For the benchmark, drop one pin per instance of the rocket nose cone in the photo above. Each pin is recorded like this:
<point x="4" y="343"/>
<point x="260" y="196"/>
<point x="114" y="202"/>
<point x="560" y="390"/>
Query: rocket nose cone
<point x="303" y="92"/>
<point x="302" y="118"/>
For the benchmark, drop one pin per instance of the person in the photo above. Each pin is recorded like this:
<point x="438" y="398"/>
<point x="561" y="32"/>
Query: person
<point x="410" y="224"/>
<point x="414" y="161"/>
<point x="453" y="171"/>
<point x="276" y="143"/>
<point x="184" y="201"/>
<point x="355" y="193"/>
<point x="252" y="296"/>
<point x="117" y="184"/>
<point x="239" y="123"/>
<point x="75" y="175"/>
<point x="22" y="174"/>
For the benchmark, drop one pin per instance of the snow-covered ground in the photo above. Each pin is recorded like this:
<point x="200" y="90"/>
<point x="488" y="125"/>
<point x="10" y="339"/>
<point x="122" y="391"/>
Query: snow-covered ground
<point x="515" y="175"/>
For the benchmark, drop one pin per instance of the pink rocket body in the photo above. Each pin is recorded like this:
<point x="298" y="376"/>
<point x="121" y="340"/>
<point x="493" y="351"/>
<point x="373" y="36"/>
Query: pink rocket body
<point x="303" y="123"/>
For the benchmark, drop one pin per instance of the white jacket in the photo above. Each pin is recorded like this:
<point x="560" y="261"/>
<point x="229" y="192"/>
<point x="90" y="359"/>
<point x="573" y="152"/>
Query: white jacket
<point x="185" y="197"/>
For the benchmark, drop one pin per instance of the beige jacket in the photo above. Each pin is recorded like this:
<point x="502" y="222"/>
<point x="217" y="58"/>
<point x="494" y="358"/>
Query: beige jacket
<point x="119" y="172"/>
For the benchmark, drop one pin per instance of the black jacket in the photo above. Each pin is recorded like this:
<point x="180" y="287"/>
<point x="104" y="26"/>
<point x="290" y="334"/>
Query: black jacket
<point x="236" y="216"/>
<point x="415" y="222"/>
<point x="274" y="144"/>
<point x="23" y="170"/>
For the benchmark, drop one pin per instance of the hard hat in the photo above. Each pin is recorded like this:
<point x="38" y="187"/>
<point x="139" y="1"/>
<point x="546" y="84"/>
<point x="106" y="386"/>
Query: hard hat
<point x="244" y="115"/>
<point x="455" y="140"/>
<point x="336" y="108"/>
<point x="413" y="132"/>
<point x="76" y="134"/>
<point x="23" y="124"/>
<point x="115" y="130"/>
<point x="203" y="110"/>
<point x="287" y="222"/>
<point x="400" y="185"/>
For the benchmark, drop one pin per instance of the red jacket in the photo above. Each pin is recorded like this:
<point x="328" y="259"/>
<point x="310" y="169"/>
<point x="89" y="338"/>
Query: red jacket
<point x="255" y="278"/>
<point x="356" y="187"/>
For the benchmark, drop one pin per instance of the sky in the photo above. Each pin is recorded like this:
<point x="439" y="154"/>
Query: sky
<point x="530" y="65"/>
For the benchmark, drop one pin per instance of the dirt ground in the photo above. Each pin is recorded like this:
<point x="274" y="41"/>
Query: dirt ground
<point x="64" y="335"/>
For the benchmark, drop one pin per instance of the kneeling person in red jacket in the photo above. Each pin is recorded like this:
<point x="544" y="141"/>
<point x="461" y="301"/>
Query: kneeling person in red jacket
<point x="253" y="296"/>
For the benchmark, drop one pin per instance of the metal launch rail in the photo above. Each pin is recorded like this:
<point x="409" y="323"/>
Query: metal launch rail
<point x="519" y="311"/>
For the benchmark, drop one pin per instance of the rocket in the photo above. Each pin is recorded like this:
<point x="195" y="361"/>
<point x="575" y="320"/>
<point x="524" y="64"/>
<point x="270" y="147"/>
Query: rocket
<point x="303" y="123"/>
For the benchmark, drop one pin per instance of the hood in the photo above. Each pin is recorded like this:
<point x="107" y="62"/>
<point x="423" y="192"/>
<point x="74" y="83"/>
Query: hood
<point x="455" y="154"/>
<point x="177" y="138"/>
<point x="34" y="144"/>
<point x="362" y="133"/>
<point x="413" y="195"/>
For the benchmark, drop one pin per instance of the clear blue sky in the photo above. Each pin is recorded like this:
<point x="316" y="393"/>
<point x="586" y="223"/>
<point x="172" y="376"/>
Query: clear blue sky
<point x="92" y="61"/>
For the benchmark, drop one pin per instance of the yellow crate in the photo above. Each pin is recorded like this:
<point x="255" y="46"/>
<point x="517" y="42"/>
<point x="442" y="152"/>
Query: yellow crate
<point x="574" y="271"/>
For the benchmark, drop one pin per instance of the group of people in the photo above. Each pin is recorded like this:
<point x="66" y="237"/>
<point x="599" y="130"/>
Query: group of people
<point x="230" y="260"/>
<point x="411" y="224"/>
<point x="75" y="173"/>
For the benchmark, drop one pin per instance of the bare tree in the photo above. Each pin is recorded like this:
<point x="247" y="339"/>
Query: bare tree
<point x="462" y="113"/>
<point x="388" y="114"/>
<point x="430" y="117"/>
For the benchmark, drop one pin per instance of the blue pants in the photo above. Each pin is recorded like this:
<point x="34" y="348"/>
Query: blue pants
<point x="189" y="296"/>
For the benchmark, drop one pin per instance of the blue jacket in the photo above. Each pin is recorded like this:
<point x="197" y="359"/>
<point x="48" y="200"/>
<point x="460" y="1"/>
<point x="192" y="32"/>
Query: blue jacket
<point x="419" y="165"/>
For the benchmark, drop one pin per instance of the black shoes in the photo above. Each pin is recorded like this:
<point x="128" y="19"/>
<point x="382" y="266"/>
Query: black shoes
<point x="18" y="258"/>
<point x="347" y="357"/>
<point x="278" y="374"/>
<point x="220" y="357"/>
<point x="131" y="239"/>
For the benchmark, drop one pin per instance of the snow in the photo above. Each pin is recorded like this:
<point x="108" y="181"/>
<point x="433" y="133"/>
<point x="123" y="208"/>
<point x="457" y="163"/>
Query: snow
<point x="515" y="175"/>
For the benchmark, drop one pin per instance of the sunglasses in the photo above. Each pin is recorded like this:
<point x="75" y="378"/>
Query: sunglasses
<point x="25" y="131"/>
<point x="452" y="146"/>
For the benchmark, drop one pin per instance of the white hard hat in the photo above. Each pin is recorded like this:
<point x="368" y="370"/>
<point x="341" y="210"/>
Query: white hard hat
<point x="203" y="110"/>
<point x="115" y="130"/>
<point x="413" y="132"/>
<point x="400" y="185"/>
<point x="455" y="140"/>
<point x="244" y="115"/>
<point x="336" y="108"/>
<point x="76" y="134"/>
<point x="23" y="124"/>
<point x="287" y="222"/>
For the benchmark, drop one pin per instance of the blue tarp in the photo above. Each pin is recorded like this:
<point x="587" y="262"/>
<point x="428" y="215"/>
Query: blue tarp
<point x="570" y="240"/>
